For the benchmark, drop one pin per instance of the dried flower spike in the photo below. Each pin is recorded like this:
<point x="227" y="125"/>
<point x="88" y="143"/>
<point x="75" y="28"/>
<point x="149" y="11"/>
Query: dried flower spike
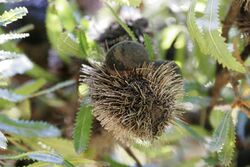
<point x="135" y="104"/>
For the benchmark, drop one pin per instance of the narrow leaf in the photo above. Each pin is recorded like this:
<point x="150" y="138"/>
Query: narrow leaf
<point x="42" y="156"/>
<point x="194" y="30"/>
<point x="220" y="134"/>
<point x="11" y="67"/>
<point x="215" y="42"/>
<point x="28" y="128"/>
<point x="31" y="87"/>
<point x="83" y="43"/>
<point x="6" y="37"/>
<point x="10" y="96"/>
<point x="12" y="15"/>
<point x="220" y="52"/>
<point x="6" y="55"/>
<point x="82" y="130"/>
<point x="227" y="152"/>
<point x="149" y="47"/>
<point x="54" y="88"/>
<point x="3" y="141"/>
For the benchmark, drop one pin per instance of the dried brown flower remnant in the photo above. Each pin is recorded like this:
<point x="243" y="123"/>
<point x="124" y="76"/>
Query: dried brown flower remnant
<point x="136" y="104"/>
<point x="243" y="19"/>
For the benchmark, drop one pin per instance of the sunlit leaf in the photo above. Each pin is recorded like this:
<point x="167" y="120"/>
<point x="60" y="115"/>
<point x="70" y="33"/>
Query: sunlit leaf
<point x="12" y="15"/>
<point x="82" y="130"/>
<point x="10" y="96"/>
<point x="220" y="52"/>
<point x="11" y="67"/>
<point x="28" y="128"/>
<point x="220" y="133"/>
<point x="3" y="141"/>
<point x="215" y="42"/>
<point x="227" y="152"/>
<point x="6" y="37"/>
<point x="194" y="30"/>
<point x="40" y="156"/>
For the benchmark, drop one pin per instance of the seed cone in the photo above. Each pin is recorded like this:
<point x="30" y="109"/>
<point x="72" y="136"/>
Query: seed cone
<point x="243" y="19"/>
<point x="137" y="104"/>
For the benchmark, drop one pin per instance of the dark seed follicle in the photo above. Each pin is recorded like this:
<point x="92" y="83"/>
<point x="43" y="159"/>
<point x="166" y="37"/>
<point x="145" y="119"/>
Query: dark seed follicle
<point x="126" y="55"/>
<point x="133" y="98"/>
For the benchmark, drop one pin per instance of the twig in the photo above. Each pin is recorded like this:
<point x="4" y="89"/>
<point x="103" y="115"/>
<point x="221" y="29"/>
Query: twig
<point x="132" y="155"/>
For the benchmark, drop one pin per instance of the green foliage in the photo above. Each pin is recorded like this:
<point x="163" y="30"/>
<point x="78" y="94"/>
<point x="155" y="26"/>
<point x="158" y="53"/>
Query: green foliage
<point x="220" y="134"/>
<point x="6" y="37"/>
<point x="40" y="156"/>
<point x="82" y="129"/>
<point x="134" y="3"/>
<point x="227" y="153"/>
<point x="3" y="141"/>
<point x="212" y="42"/>
<point x="28" y="128"/>
<point x="149" y="47"/>
<point x="194" y="30"/>
<point x="12" y="15"/>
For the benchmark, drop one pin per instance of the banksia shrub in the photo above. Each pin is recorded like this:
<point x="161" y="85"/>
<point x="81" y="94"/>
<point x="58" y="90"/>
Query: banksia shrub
<point x="135" y="104"/>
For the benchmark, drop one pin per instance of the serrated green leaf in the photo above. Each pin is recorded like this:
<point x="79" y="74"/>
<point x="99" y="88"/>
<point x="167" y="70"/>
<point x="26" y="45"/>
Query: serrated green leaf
<point x="220" y="52"/>
<point x="12" y="15"/>
<point x="194" y="30"/>
<point x="215" y="42"/>
<point x="43" y="156"/>
<point x="3" y="141"/>
<point x="134" y="3"/>
<point x="82" y="130"/>
<point x="6" y="37"/>
<point x="67" y="45"/>
<point x="122" y="24"/>
<point x="31" y="87"/>
<point x="28" y="128"/>
<point x="227" y="152"/>
<point x="83" y="43"/>
<point x="11" y="96"/>
<point x="6" y="55"/>
<point x="11" y="67"/>
<point x="220" y="133"/>
<point x="149" y="47"/>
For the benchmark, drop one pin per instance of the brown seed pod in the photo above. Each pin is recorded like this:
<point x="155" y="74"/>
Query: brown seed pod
<point x="243" y="19"/>
<point x="137" y="104"/>
<point x="126" y="56"/>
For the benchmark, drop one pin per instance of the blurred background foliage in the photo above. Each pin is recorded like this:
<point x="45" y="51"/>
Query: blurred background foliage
<point x="45" y="119"/>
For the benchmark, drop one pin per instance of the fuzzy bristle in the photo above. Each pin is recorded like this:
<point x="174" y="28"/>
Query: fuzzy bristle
<point x="243" y="19"/>
<point x="245" y="4"/>
<point x="136" y="104"/>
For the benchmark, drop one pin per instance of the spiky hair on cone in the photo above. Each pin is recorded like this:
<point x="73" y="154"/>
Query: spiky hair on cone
<point x="138" y="104"/>
<point x="243" y="19"/>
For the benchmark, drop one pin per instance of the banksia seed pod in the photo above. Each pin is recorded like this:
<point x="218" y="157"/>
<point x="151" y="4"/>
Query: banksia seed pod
<point x="243" y="19"/>
<point x="135" y="104"/>
<point x="126" y="56"/>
